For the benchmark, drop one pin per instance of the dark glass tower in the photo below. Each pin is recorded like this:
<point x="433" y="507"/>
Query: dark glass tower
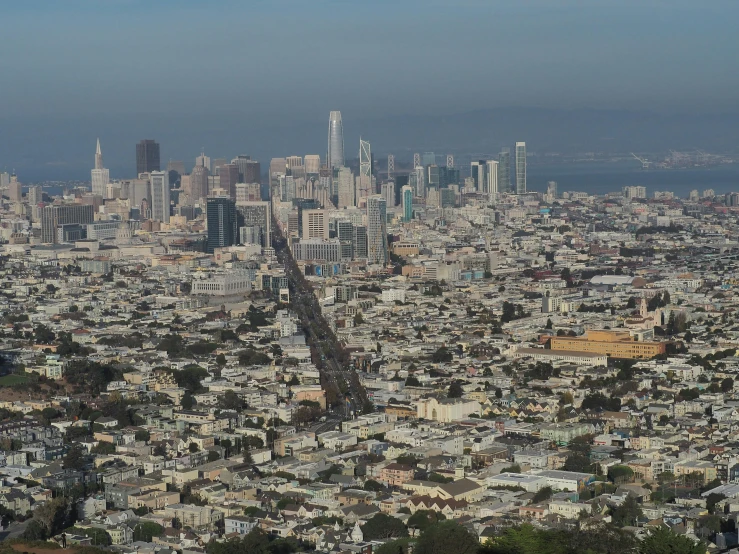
<point x="222" y="223"/>
<point x="147" y="156"/>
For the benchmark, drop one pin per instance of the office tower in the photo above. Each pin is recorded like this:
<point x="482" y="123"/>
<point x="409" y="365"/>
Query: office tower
<point x="477" y="172"/>
<point x="407" y="197"/>
<point x="259" y="215"/>
<point x="176" y="165"/>
<point x="216" y="164"/>
<point x="417" y="180"/>
<point x="198" y="183"/>
<point x="147" y="156"/>
<point x="520" y="168"/>
<point x="249" y="170"/>
<point x="345" y="234"/>
<point x="99" y="176"/>
<point x="4" y="179"/>
<point x="335" y="155"/>
<point x="53" y="217"/>
<point x="387" y="191"/>
<point x="248" y="192"/>
<point x="504" y="170"/>
<point x="359" y="242"/>
<point x="229" y="174"/>
<point x="315" y="224"/>
<point x="376" y="230"/>
<point x="428" y="158"/>
<point x="346" y="188"/>
<point x="641" y="192"/>
<point x="552" y="189"/>
<point x="15" y="189"/>
<point x="222" y="226"/>
<point x="491" y="178"/>
<point x="432" y="176"/>
<point x="400" y="182"/>
<point x="312" y="164"/>
<point x="35" y="195"/>
<point x="203" y="161"/>
<point x="277" y="166"/>
<point x="159" y="186"/>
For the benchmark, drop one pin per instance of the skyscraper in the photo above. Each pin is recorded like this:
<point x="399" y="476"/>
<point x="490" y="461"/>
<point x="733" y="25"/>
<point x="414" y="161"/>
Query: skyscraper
<point x="258" y="215"/>
<point x="346" y="188"/>
<point x="376" y="230"/>
<point x="198" y="183"/>
<point x="312" y="164"/>
<point x="504" y="170"/>
<point x="315" y="224"/>
<point x="66" y="214"/>
<point x="335" y="155"/>
<point x="203" y="160"/>
<point x="249" y="170"/>
<point x="222" y="226"/>
<point x="99" y="176"/>
<point x="387" y="191"/>
<point x="491" y="177"/>
<point x="147" y="156"/>
<point x="477" y="172"/>
<point x="15" y="189"/>
<point x="159" y="187"/>
<point x="229" y="174"/>
<point x="520" y="168"/>
<point x="407" y="197"/>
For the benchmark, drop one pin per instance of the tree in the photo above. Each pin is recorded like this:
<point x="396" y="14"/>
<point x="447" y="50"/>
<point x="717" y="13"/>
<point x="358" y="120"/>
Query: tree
<point x="455" y="390"/>
<point x="549" y="324"/>
<point x="662" y="540"/>
<point x="577" y="462"/>
<point x="221" y="359"/>
<point x="52" y="514"/>
<point x="373" y="486"/>
<point x="146" y="530"/>
<point x="542" y="495"/>
<point x="627" y="513"/>
<point x="383" y="526"/>
<point x="99" y="536"/>
<point x="712" y="499"/>
<point x="187" y="401"/>
<point x="75" y="458"/>
<point x="447" y="537"/>
<point x="442" y="355"/>
<point x="412" y="381"/>
<point x="231" y="400"/>
<point x="142" y="435"/>
<point x="399" y="546"/>
<point x="35" y="531"/>
<point x="620" y="474"/>
<point x="423" y="518"/>
<point x="727" y="384"/>
<point x="193" y="447"/>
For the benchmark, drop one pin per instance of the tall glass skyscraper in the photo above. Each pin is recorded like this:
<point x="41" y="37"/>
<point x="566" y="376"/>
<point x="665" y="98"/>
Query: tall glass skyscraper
<point x="407" y="196"/>
<point x="520" y="168"/>
<point x="376" y="230"/>
<point x="335" y="155"/>
<point x="221" y="217"/>
<point x="504" y="170"/>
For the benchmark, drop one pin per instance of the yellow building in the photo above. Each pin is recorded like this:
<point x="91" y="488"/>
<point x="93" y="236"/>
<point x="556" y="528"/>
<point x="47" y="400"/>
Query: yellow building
<point x="614" y="344"/>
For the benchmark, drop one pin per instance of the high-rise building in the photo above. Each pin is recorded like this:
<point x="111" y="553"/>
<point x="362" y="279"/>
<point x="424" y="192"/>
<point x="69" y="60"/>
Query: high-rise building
<point x="376" y="230"/>
<point x="491" y="177"/>
<point x="387" y="191"/>
<point x="552" y="189"/>
<point x="504" y="170"/>
<point x="203" y="160"/>
<point x="222" y="223"/>
<point x="312" y="164"/>
<point x="346" y="188"/>
<point x="477" y="172"/>
<point x="216" y="163"/>
<point x="335" y="154"/>
<point x="417" y="179"/>
<point x="520" y="168"/>
<point x="198" y="183"/>
<point x="99" y="176"/>
<point x="159" y="186"/>
<point x="407" y="197"/>
<point x="229" y="174"/>
<point x="4" y="179"/>
<point x="55" y="216"/>
<point x="249" y="170"/>
<point x="15" y="189"/>
<point x="259" y="215"/>
<point x="176" y="165"/>
<point x="359" y="242"/>
<point x="147" y="156"/>
<point x="35" y="195"/>
<point x="315" y="224"/>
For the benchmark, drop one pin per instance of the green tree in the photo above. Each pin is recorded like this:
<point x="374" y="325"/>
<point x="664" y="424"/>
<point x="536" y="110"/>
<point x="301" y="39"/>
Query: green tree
<point x="423" y="518"/>
<point x="627" y="513"/>
<point x="455" y="390"/>
<point x="662" y="540"/>
<point x="75" y="457"/>
<point x="620" y="474"/>
<point x="146" y="530"/>
<point x="542" y="495"/>
<point x="221" y="359"/>
<point x="99" y="536"/>
<point x="187" y="401"/>
<point x="35" y="531"/>
<point x="412" y="381"/>
<point x="399" y="546"/>
<point x="373" y="486"/>
<point x="447" y="537"/>
<point x="383" y="526"/>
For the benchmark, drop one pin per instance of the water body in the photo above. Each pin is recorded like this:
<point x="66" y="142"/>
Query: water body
<point x="601" y="178"/>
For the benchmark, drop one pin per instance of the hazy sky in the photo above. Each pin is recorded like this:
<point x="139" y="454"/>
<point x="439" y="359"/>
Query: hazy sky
<point x="291" y="61"/>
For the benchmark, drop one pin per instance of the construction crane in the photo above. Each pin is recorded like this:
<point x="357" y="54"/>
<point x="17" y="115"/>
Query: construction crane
<point x="644" y="162"/>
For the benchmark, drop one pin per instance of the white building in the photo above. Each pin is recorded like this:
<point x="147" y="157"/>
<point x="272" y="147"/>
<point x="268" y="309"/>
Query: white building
<point x="159" y="196"/>
<point x="446" y="409"/>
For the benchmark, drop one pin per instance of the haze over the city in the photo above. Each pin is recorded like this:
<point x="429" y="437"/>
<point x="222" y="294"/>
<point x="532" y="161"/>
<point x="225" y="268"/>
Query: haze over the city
<point x="261" y="77"/>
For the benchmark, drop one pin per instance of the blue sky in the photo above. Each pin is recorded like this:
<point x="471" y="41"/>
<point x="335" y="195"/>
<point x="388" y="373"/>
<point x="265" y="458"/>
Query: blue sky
<point x="271" y="64"/>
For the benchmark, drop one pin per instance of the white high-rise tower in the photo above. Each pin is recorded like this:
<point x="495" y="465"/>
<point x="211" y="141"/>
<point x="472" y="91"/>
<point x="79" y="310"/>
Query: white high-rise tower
<point x="520" y="168"/>
<point x="99" y="177"/>
<point x="335" y="155"/>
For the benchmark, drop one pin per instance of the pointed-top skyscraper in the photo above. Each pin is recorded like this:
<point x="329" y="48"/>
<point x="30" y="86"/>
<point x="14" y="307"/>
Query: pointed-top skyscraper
<point x="99" y="176"/>
<point x="335" y="155"/>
